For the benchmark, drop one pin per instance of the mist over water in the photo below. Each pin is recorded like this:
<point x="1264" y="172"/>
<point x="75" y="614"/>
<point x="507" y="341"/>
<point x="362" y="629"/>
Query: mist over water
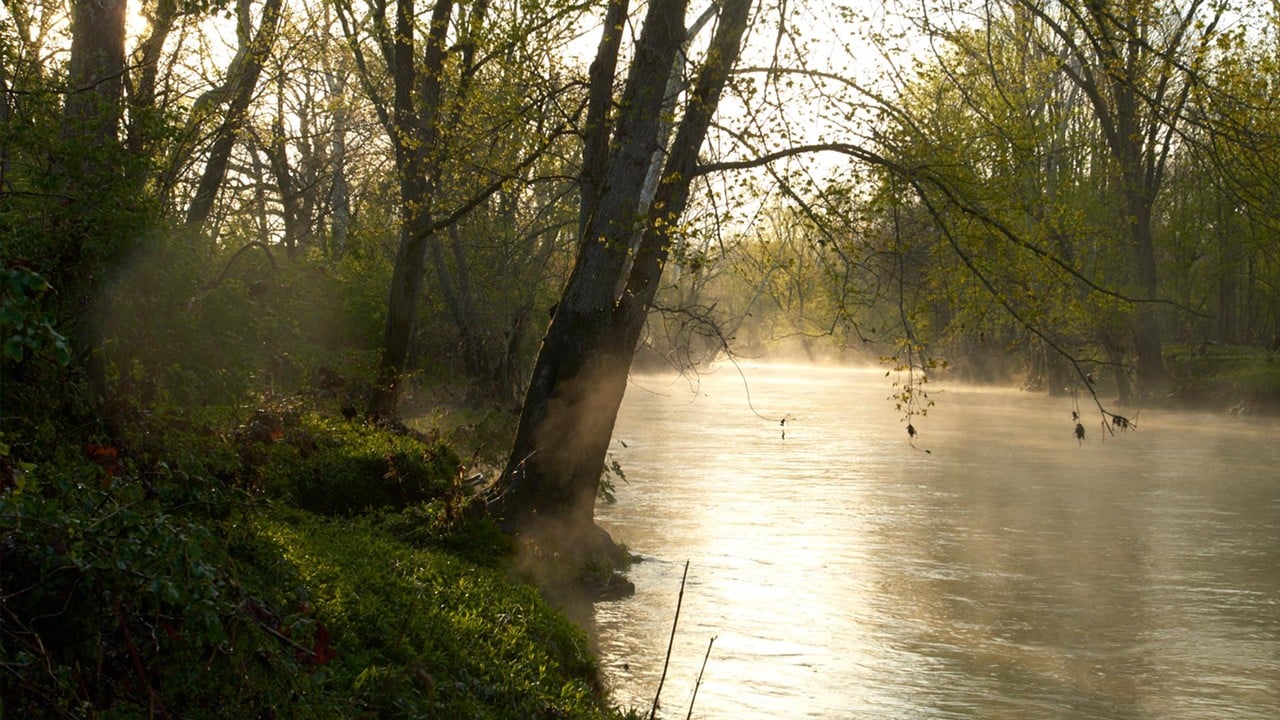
<point x="1009" y="573"/>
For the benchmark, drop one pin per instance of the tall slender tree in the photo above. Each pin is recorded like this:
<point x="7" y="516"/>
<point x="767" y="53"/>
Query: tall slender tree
<point x="1136" y="64"/>
<point x="238" y="92"/>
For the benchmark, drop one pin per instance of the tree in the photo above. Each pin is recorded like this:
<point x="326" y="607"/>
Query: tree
<point x="434" y="82"/>
<point x="1033" y="132"/>
<point x="238" y="92"/>
<point x="580" y="376"/>
<point x="1136" y="64"/>
<point x="95" y="73"/>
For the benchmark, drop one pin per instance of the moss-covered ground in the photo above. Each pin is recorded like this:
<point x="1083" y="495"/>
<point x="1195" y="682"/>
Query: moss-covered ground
<point x="291" y="564"/>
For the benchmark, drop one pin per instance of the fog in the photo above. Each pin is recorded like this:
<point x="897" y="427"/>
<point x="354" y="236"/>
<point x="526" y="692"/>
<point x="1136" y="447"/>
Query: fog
<point x="1011" y="571"/>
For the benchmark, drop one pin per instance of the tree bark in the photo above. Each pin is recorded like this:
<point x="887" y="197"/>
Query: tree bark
<point x="455" y="290"/>
<point x="95" y="76"/>
<point x="595" y="141"/>
<point x="580" y="375"/>
<point x="1229" y="253"/>
<point x="415" y="134"/>
<point x="1152" y="377"/>
<point x="339" y="192"/>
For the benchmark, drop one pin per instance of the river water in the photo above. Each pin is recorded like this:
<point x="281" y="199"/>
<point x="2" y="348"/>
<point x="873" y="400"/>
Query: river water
<point x="1008" y="572"/>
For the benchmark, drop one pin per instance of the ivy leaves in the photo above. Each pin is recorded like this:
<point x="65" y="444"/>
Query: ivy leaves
<point x="25" y="329"/>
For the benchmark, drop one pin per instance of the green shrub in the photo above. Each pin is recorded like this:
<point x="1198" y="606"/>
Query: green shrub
<point x="421" y="633"/>
<point x="1227" y="375"/>
<point x="333" y="467"/>
<point x="441" y="525"/>
<point x="131" y="594"/>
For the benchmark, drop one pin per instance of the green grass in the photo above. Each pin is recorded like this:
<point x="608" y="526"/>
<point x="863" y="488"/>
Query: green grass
<point x="1226" y="375"/>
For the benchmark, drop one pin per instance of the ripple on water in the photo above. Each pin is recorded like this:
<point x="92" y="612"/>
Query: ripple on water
<point x="1010" y="573"/>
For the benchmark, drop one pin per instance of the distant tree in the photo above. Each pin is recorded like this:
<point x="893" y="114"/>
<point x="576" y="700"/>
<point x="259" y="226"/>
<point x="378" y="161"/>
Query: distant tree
<point x="1136" y="64"/>
<point x="236" y="93"/>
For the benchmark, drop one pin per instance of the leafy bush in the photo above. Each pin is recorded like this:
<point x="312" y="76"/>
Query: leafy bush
<point x="333" y="467"/>
<point x="24" y="328"/>
<point x="1227" y="375"/>
<point x="134" y="594"/>
<point x="135" y="588"/>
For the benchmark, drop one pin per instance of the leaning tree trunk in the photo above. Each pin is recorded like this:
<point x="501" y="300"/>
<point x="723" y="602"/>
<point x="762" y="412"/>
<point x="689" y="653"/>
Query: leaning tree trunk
<point x="580" y="375"/>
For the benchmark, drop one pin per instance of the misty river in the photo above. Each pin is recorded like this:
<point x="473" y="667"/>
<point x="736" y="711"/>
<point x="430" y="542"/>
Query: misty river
<point x="1010" y="572"/>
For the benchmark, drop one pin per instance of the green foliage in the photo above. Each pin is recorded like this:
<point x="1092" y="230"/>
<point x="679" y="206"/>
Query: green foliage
<point x="139" y="583"/>
<point x="487" y="432"/>
<point x="25" y="329"/>
<point x="1243" y="378"/>
<point x="334" y="467"/>
<point x="610" y="475"/>
<point x="130" y="591"/>
<point x="442" y="525"/>
<point x="187" y="327"/>
<point x="421" y="633"/>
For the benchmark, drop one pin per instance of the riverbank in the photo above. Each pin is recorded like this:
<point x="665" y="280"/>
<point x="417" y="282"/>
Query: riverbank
<point x="1225" y="378"/>
<point x="283" y="563"/>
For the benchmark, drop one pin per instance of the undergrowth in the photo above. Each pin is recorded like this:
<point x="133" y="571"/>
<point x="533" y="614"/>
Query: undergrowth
<point x="286" y="565"/>
<point x="1227" y="377"/>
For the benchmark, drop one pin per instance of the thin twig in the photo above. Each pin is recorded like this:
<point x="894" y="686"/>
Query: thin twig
<point x="653" y="711"/>
<point x="698" y="684"/>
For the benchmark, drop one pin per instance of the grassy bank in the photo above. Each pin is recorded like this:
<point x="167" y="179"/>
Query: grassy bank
<point x="1226" y="377"/>
<point x="291" y="564"/>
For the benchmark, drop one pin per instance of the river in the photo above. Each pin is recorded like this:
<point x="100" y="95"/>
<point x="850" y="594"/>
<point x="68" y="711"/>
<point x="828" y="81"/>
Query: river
<point x="1008" y="572"/>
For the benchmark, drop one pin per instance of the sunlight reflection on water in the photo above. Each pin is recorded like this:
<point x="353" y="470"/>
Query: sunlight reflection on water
<point x="1011" y="573"/>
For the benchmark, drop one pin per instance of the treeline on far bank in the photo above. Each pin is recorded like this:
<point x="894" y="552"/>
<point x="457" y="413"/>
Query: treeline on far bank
<point x="888" y="290"/>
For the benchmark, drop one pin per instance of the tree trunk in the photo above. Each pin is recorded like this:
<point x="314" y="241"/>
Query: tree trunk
<point x="142" y="96"/>
<point x="1057" y="374"/>
<point x="455" y="290"/>
<point x="339" y="193"/>
<point x="415" y="134"/>
<point x="92" y="113"/>
<point x="295" y="209"/>
<point x="402" y="308"/>
<point x="243" y="78"/>
<point x="595" y="142"/>
<point x="95" y="72"/>
<point x="1116" y="359"/>
<point x="1228" y="273"/>
<point x="580" y="375"/>
<point x="90" y="133"/>
<point x="1153" y="379"/>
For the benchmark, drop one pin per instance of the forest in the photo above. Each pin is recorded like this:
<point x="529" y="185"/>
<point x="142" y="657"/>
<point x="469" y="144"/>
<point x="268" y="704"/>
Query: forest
<point x="292" y="286"/>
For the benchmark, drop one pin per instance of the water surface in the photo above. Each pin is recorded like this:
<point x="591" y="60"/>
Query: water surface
<point x="1009" y="572"/>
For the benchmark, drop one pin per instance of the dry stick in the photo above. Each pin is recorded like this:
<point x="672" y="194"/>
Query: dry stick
<point x="698" y="684"/>
<point x="653" y="711"/>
